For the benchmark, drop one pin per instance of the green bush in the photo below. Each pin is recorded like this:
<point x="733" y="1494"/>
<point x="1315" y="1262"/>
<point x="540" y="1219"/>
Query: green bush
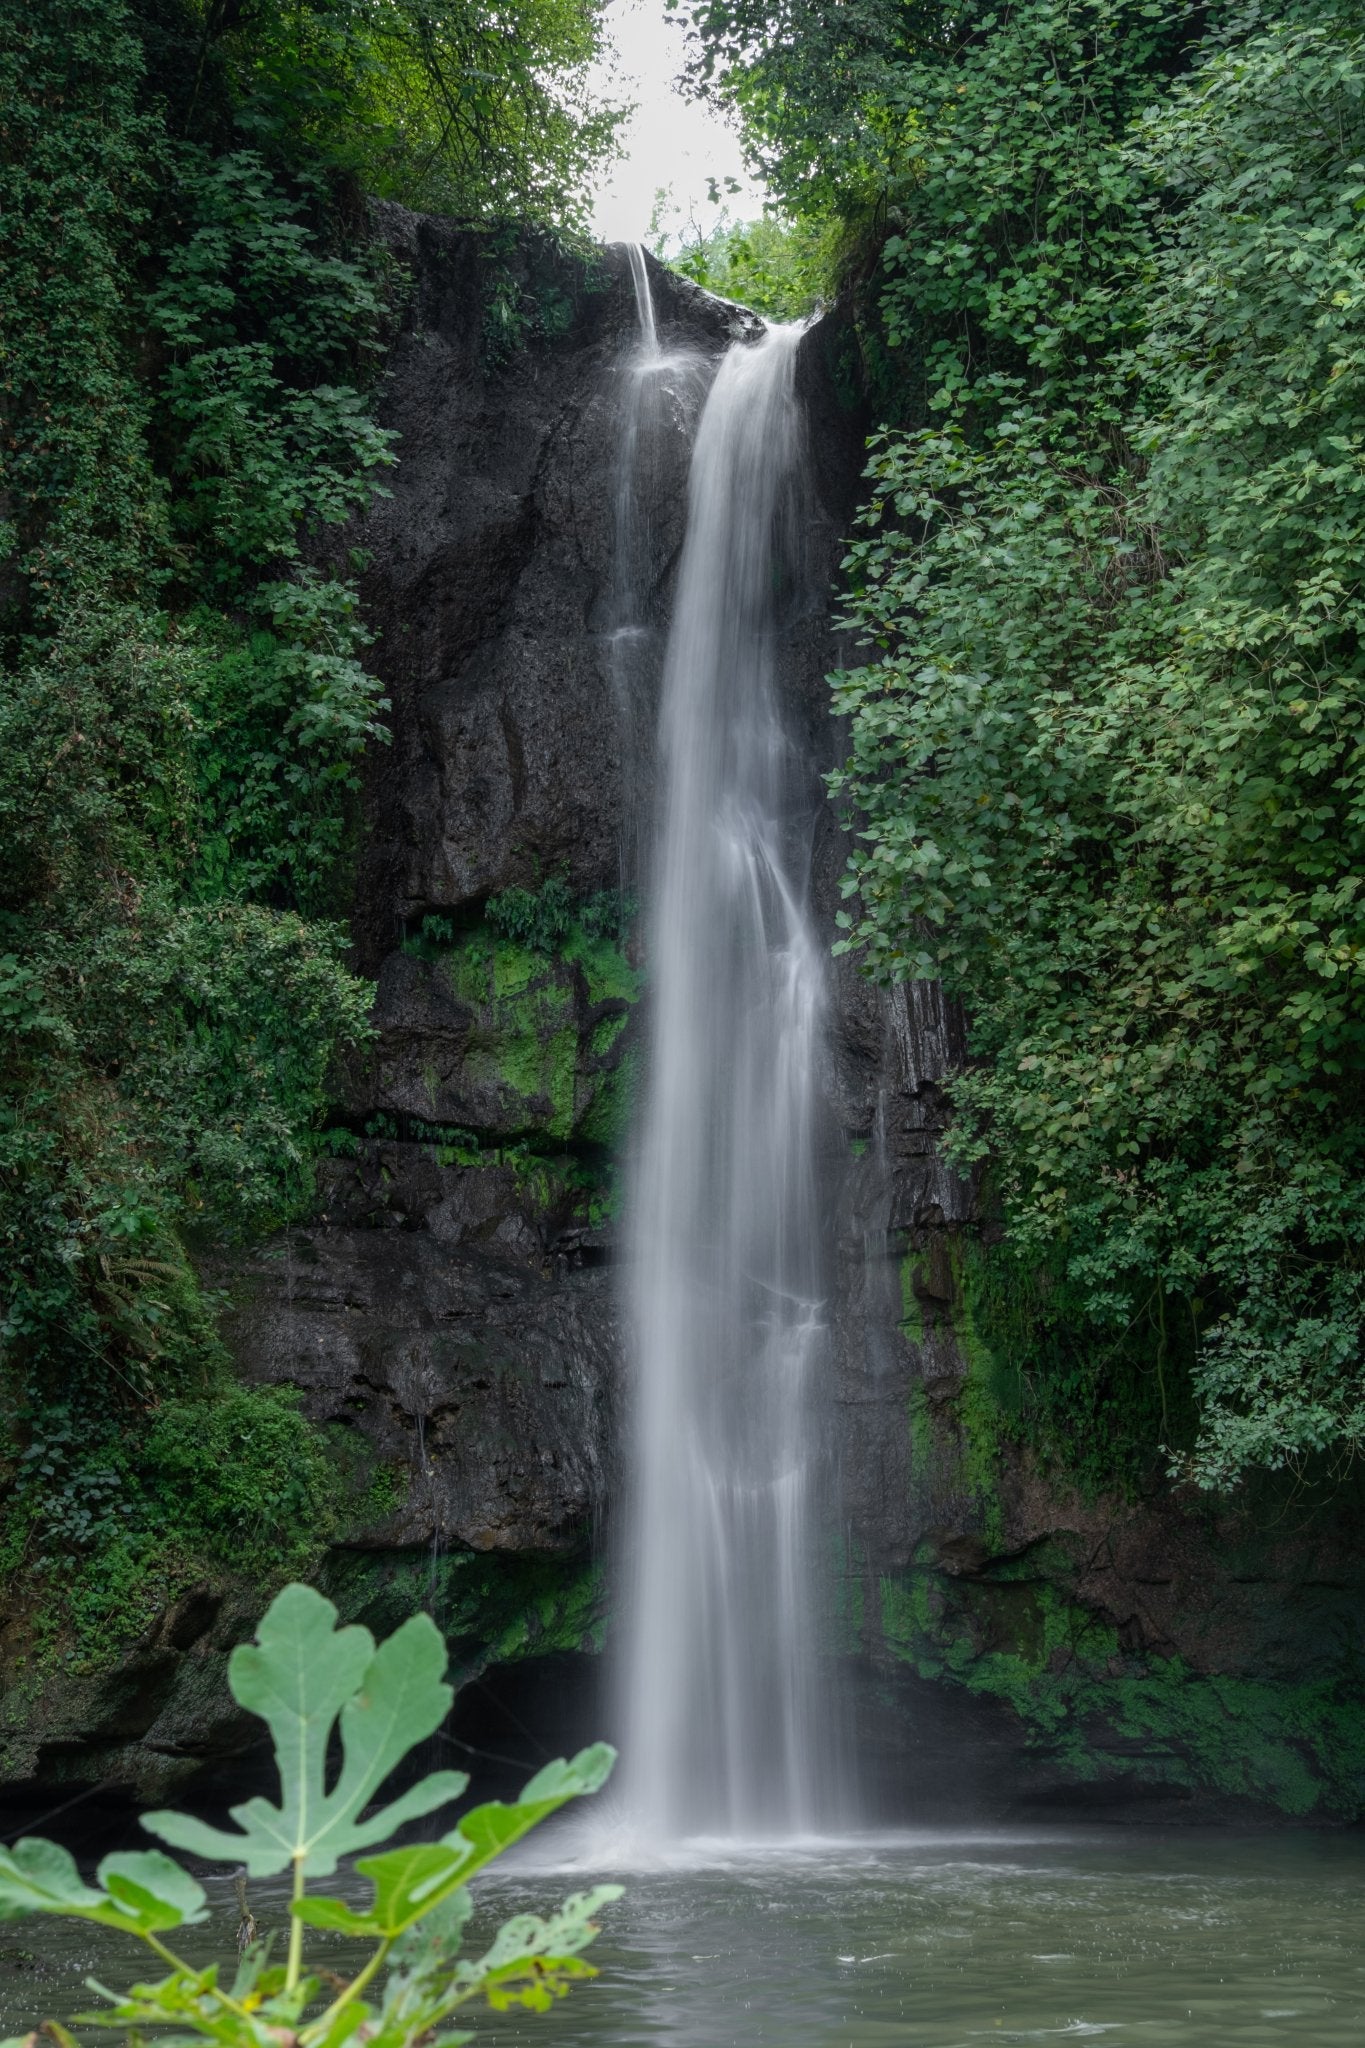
<point x="240" y="1478"/>
<point x="101" y="1529"/>
<point x="1105" y="728"/>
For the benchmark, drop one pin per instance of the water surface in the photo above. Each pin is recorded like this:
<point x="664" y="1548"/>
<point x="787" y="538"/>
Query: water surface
<point x="1133" y="1939"/>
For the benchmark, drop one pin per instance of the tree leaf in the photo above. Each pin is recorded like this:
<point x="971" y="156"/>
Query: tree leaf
<point x="144" y="1891"/>
<point x="409" y="1882"/>
<point x="533" y="1961"/>
<point x="39" y="1877"/>
<point x="491" y="1828"/>
<point x="300" y="1675"/>
<point x="535" y="1982"/>
<point x="152" y="1890"/>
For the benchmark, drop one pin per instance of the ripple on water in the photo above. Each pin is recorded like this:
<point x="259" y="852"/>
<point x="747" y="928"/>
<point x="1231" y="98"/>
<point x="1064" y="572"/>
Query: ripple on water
<point x="1177" y="1941"/>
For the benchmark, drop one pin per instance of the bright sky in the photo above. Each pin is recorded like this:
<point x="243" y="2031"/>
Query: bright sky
<point x="669" y="141"/>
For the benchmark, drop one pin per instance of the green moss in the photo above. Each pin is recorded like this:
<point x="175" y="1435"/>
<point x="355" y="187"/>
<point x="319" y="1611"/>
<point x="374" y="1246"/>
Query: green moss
<point x="568" y="1616"/>
<point x="468" y="966"/>
<point x="537" y="1064"/>
<point x="1299" y="1747"/>
<point x="515" y="969"/>
<point x="923" y="1461"/>
<point x="607" y="1116"/>
<point x="368" y="1493"/>
<point x="912" y="1311"/>
<point x="1088" y="1400"/>
<point x="605" y="1033"/>
<point x="491" y="1607"/>
<point x="532" y="1037"/>
<point x="961" y="1448"/>
<point x="609" y="975"/>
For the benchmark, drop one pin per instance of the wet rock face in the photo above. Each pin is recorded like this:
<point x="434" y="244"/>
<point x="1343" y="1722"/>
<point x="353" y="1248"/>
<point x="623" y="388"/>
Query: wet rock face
<point x="482" y="1385"/>
<point x="455" y="1259"/>
<point x="450" y="1304"/>
<point x="492" y="571"/>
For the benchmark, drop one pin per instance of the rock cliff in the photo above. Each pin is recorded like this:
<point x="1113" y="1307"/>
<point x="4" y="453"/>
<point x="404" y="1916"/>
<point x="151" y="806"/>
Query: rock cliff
<point x="1012" y="1646"/>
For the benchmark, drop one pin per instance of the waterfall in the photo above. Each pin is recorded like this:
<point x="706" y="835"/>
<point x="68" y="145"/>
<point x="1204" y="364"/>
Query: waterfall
<point x="725" y="1725"/>
<point x="644" y="303"/>
<point x="660" y="396"/>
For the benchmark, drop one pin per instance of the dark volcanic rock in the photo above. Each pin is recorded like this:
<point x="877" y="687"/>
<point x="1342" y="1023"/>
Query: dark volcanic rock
<point x="487" y="1385"/>
<point x="492" y="572"/>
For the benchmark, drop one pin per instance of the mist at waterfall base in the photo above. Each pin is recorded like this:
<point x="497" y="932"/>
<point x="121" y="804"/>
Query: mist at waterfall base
<point x="727" y="1723"/>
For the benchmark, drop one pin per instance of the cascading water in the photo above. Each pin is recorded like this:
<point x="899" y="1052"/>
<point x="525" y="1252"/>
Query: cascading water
<point x="661" y="393"/>
<point x="726" y="1729"/>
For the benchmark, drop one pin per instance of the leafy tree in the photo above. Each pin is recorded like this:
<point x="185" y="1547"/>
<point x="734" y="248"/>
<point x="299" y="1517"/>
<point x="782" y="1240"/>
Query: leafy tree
<point x="1105" y="738"/>
<point x="1108" y="751"/>
<point x="821" y="91"/>
<point x="780" y="268"/>
<point x="462" y="109"/>
<point x="193" y="314"/>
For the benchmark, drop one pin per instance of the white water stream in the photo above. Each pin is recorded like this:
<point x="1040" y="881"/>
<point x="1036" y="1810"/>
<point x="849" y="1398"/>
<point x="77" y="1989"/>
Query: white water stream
<point x="726" y="1730"/>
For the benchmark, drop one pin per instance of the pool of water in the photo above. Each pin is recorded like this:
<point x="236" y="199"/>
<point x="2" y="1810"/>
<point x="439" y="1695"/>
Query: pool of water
<point x="938" y="1941"/>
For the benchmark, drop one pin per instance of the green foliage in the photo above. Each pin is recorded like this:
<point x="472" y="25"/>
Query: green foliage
<point x="544" y="919"/>
<point x="193" y="316"/>
<point x="552" y="1005"/>
<point x="282" y="718"/>
<point x="780" y="268"/>
<point x="463" y="111"/>
<point x="1106" y="735"/>
<point x="409" y="1882"/>
<point x="258" y="319"/>
<point x="300" y="1676"/>
<point x="305" y="1676"/>
<point x="112" y="1142"/>
<point x="1108" y="749"/>
<point x="820" y="90"/>
<point x="269" y="440"/>
<point x="173" y="790"/>
<point x="541" y="919"/>
<point x="139" y="1893"/>
<point x="101" y="1530"/>
<point x="529" y="286"/>
<point x="75" y="190"/>
<point x="238" y="1478"/>
<point x="1095" y="1709"/>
